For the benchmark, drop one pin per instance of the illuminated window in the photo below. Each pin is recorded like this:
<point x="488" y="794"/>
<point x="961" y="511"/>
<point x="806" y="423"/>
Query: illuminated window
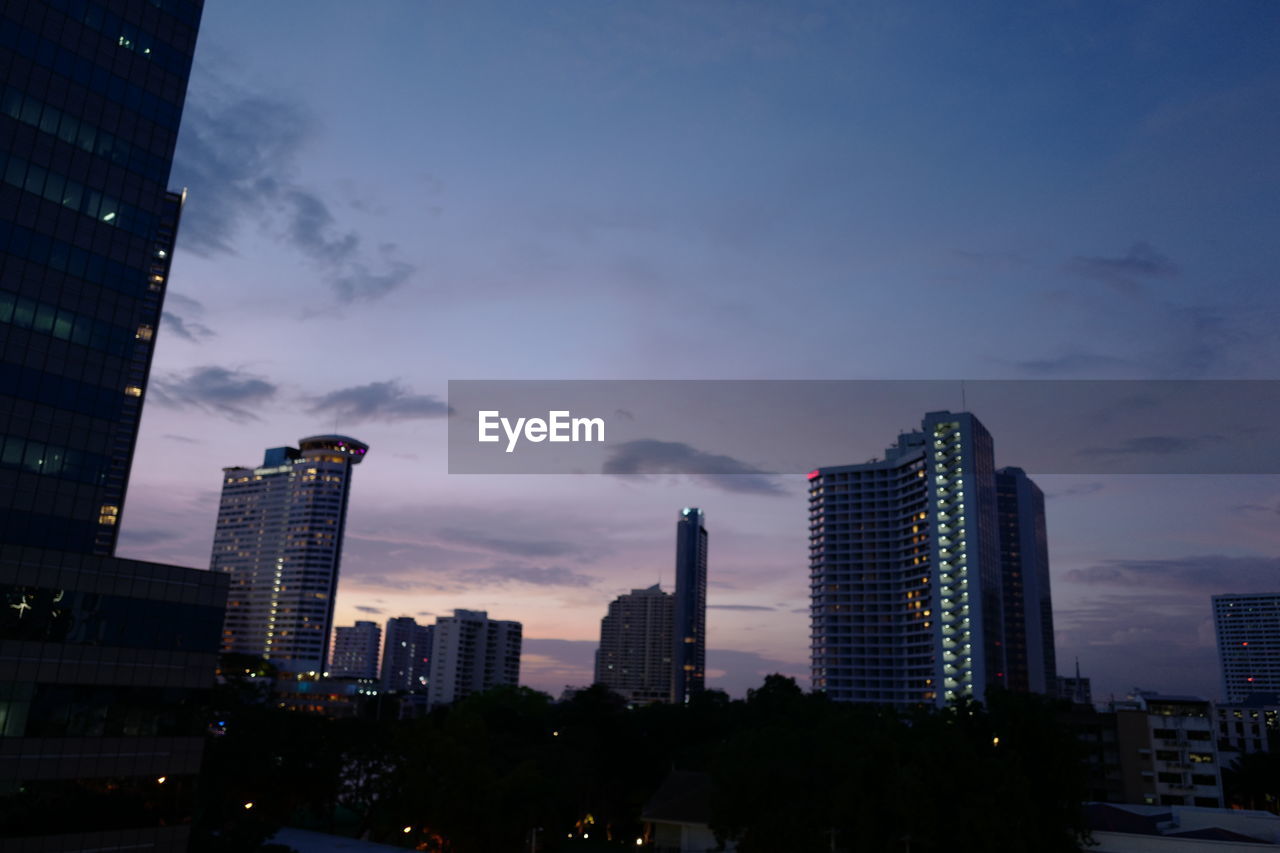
<point x="133" y="390"/>
<point x="108" y="514"/>
<point x="145" y="332"/>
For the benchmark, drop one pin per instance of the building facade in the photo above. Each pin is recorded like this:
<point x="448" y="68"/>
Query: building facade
<point x="907" y="574"/>
<point x="105" y="663"/>
<point x="689" y="625"/>
<point x="406" y="657"/>
<point x="355" y="651"/>
<point x="470" y="654"/>
<point x="1248" y="629"/>
<point x="279" y="539"/>
<point x="1168" y="751"/>
<point x="635" y="654"/>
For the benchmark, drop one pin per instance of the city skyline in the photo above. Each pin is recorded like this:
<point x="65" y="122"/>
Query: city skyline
<point x="547" y="200"/>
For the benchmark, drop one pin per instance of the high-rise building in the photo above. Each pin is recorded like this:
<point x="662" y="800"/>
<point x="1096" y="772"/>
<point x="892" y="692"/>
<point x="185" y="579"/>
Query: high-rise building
<point x="105" y="662"/>
<point x="471" y="653"/>
<point x="90" y="100"/>
<point x="689" y="622"/>
<point x="1248" y="628"/>
<point x="279" y="537"/>
<point x="634" y="658"/>
<point x="406" y="658"/>
<point x="1031" y="662"/>
<point x="355" y="651"/>
<point x="907" y="579"/>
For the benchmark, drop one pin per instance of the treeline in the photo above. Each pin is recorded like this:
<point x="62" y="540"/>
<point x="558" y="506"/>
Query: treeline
<point x="787" y="771"/>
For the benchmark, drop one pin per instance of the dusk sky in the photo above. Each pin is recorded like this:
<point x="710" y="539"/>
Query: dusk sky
<point x="383" y="197"/>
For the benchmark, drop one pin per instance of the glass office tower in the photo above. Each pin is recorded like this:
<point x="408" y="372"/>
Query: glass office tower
<point x="104" y="662"/>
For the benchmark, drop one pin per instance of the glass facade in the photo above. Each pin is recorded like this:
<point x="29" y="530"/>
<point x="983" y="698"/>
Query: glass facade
<point x="89" y="111"/>
<point x="105" y="664"/>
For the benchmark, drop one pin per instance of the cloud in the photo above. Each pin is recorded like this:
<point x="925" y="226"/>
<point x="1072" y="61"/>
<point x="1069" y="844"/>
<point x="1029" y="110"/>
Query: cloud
<point x="1206" y="575"/>
<point x="131" y="536"/>
<point x="743" y="607"/>
<point x="231" y="394"/>
<point x="182" y="439"/>
<point x="501" y="575"/>
<point x="1154" y="445"/>
<point x="186" y="329"/>
<point x="991" y="260"/>
<point x="378" y="401"/>
<point x="1122" y="273"/>
<point x="364" y="608"/>
<point x="1077" y="490"/>
<point x="650" y="456"/>
<point x="1071" y="362"/>
<point x="502" y="545"/>
<point x="237" y="154"/>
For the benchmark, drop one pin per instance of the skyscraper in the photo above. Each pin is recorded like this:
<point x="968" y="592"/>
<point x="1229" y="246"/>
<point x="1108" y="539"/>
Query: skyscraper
<point x="634" y="658"/>
<point x="105" y="660"/>
<point x="1248" y="629"/>
<point x="689" y="626"/>
<point x="1030" y="656"/>
<point x="906" y="571"/>
<point x="279" y="537"/>
<point x="89" y="105"/>
<point x="471" y="653"/>
<point x="406" y="658"/>
<point x="355" y="651"/>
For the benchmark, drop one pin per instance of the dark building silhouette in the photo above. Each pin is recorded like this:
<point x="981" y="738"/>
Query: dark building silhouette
<point x="689" y="625"/>
<point x="355" y="651"/>
<point x="104" y="662"/>
<point x="406" y="655"/>
<point x="1030" y="657"/>
<point x="634" y="658"/>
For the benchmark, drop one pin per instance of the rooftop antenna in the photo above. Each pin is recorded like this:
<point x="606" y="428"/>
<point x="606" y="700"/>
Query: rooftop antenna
<point x="964" y="405"/>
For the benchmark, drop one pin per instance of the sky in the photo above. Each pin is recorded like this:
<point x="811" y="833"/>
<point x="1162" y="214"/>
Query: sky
<point x="385" y="197"/>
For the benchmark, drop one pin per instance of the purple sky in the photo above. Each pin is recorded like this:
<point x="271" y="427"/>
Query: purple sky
<point x="384" y="197"/>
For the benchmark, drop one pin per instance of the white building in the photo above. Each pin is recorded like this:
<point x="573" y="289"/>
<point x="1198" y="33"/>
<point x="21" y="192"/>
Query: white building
<point x="1248" y="628"/>
<point x="279" y="536"/>
<point x="470" y="654"/>
<point x="906" y="571"/>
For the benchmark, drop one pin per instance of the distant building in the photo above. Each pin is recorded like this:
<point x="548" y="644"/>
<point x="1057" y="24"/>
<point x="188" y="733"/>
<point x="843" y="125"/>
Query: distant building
<point x="406" y="657"/>
<point x="355" y="651"/>
<point x="689" y="626"/>
<point x="1249" y="726"/>
<point x="634" y="658"/>
<point x="470" y="654"/>
<point x="279" y="537"/>
<point x="1076" y="689"/>
<point x="1248" y="629"/>
<point x="1168" y="751"/>
<point x="1031" y="663"/>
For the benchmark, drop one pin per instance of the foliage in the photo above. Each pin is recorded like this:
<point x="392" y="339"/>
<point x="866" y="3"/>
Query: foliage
<point x="787" y="771"/>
